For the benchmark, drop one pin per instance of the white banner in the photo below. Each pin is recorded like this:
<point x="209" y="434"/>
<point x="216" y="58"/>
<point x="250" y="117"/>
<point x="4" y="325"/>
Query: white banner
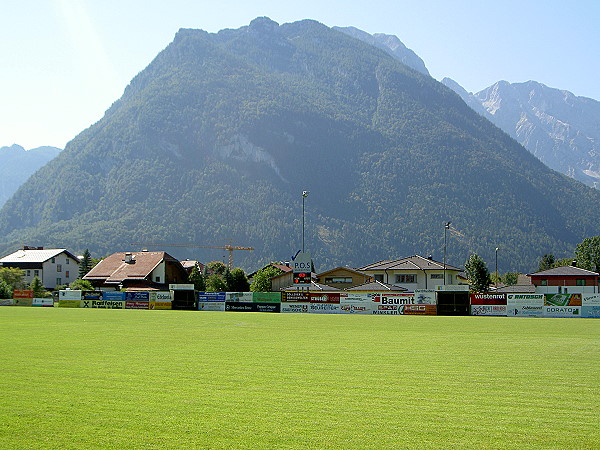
<point x="425" y="297"/>
<point x="211" y="306"/>
<point x="325" y="308"/>
<point x="488" y="310"/>
<point x="160" y="296"/>
<point x="590" y="300"/>
<point x="524" y="310"/>
<point x="69" y="295"/>
<point x="243" y="297"/>
<point x="562" y="311"/>
<point x="295" y="307"/>
<point x="590" y="311"/>
<point x="524" y="299"/>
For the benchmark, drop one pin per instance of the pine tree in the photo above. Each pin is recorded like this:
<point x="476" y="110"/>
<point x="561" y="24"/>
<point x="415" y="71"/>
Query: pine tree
<point x="85" y="265"/>
<point x="38" y="288"/>
<point x="197" y="279"/>
<point x="478" y="274"/>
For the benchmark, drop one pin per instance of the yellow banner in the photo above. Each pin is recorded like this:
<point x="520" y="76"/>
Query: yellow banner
<point x="69" y="303"/>
<point x="159" y="305"/>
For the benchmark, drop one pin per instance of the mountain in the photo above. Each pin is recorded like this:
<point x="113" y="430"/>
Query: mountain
<point x="217" y="138"/>
<point x="561" y="129"/>
<point x="389" y="43"/>
<point x="18" y="164"/>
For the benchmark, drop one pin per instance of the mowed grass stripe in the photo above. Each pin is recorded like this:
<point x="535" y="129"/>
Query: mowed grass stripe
<point x="113" y="378"/>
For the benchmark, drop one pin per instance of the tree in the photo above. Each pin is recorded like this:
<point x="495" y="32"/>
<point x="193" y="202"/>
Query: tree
<point x="477" y="273"/>
<point x="5" y="290"/>
<point x="85" y="265"/>
<point x="510" y="278"/>
<point x="239" y="281"/>
<point x="216" y="268"/>
<point x="587" y="254"/>
<point x="81" y="285"/>
<point x="13" y="277"/>
<point x="547" y="262"/>
<point x="38" y="288"/>
<point x="215" y="283"/>
<point x="262" y="279"/>
<point x="197" y="279"/>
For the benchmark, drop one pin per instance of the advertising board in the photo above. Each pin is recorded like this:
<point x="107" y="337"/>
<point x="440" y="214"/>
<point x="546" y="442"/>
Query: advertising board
<point x="23" y="301"/>
<point x="590" y="300"/>
<point x="324" y="308"/>
<point x="295" y="297"/>
<point x="242" y="297"/>
<point x="160" y="296"/>
<point x="69" y="295"/>
<point x="393" y="298"/>
<point x="68" y="303"/>
<point x="488" y="310"/>
<point x="6" y="301"/>
<point x="488" y="299"/>
<point x="47" y="302"/>
<point x="181" y="287"/>
<point x="137" y="296"/>
<point x="419" y="310"/>
<point x="159" y="305"/>
<point x="301" y="269"/>
<point x="266" y="297"/>
<point x="425" y="297"/>
<point x="211" y="296"/>
<point x="562" y="311"/>
<point x="211" y="306"/>
<point x="357" y="307"/>
<point x="22" y="293"/>
<point x="252" y="307"/>
<point x="325" y="297"/>
<point x="103" y="304"/>
<point x="592" y="311"/>
<point x="524" y="305"/>
<point x="113" y="295"/>
<point x="137" y="304"/>
<point x="562" y="299"/>
<point x="388" y="310"/>
<point x="289" y="307"/>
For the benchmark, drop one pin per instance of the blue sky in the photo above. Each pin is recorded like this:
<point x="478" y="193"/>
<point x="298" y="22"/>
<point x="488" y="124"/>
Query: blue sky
<point x="64" y="62"/>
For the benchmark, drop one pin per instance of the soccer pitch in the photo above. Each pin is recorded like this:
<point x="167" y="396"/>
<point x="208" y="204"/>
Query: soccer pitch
<point x="75" y="378"/>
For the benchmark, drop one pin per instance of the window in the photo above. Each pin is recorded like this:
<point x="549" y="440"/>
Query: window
<point x="67" y="262"/>
<point x="406" y="278"/>
<point x="36" y="273"/>
<point x="59" y="267"/>
<point x="53" y="260"/>
<point x="543" y="282"/>
<point x="58" y="281"/>
<point x="338" y="280"/>
<point x="157" y="279"/>
<point x="67" y="274"/>
<point x="28" y="272"/>
<point x="580" y="282"/>
<point x="378" y="277"/>
<point x="437" y="276"/>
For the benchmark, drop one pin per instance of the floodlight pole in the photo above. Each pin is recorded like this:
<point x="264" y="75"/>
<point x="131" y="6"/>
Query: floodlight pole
<point x="446" y="227"/>
<point x="496" y="283"/>
<point x="304" y="195"/>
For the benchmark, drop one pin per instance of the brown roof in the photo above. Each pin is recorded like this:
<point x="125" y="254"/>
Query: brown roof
<point x="343" y="268"/>
<point x="114" y="269"/>
<point x="411" y="263"/>
<point x="377" y="286"/>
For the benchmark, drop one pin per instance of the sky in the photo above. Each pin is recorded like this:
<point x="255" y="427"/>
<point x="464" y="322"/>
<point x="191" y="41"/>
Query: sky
<point x="64" y="62"/>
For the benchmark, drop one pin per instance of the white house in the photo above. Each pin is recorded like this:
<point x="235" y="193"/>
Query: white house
<point x="54" y="267"/>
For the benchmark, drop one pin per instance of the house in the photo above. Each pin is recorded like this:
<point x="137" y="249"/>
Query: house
<point x="376" y="286"/>
<point x="564" y="280"/>
<point x="343" y="277"/>
<point x="281" y="281"/>
<point x="137" y="270"/>
<point x="54" y="267"/>
<point x="189" y="265"/>
<point x="523" y="285"/>
<point x="414" y="272"/>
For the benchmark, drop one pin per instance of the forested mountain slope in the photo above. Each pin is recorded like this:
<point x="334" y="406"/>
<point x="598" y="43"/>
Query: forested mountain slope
<point x="218" y="136"/>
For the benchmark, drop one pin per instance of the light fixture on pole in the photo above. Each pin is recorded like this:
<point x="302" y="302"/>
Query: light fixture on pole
<point x="304" y="195"/>
<point x="496" y="281"/>
<point x="446" y="227"/>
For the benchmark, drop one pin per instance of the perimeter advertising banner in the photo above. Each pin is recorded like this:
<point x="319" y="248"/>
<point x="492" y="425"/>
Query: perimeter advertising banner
<point x="211" y="306"/>
<point x="590" y="306"/>
<point x="113" y="296"/>
<point x="324" y="308"/>
<point x="68" y="303"/>
<point x="137" y="304"/>
<point x="388" y="310"/>
<point x="289" y="307"/>
<point x="425" y="297"/>
<point x="325" y="297"/>
<point x="488" y="310"/>
<point x="525" y="305"/>
<point x="69" y="295"/>
<point x="252" y="307"/>
<point x="488" y="299"/>
<point x="137" y="296"/>
<point x="103" y="304"/>
<point x="420" y="310"/>
<point x="23" y="301"/>
<point x="211" y="296"/>
<point x="266" y="297"/>
<point x="47" y="302"/>
<point x="91" y="295"/>
<point x="358" y="303"/>
<point x="241" y="297"/>
<point x="160" y="300"/>
<point x="562" y="300"/>
<point x="562" y="311"/>
<point x="295" y="297"/>
<point x="22" y="293"/>
<point x="6" y="301"/>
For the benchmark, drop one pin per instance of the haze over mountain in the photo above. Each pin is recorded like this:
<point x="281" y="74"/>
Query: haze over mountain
<point x="18" y="164"/>
<point x="561" y="129"/>
<point x="217" y="138"/>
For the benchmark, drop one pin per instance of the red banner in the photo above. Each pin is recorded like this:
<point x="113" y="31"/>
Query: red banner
<point x="22" y="293"/>
<point x="488" y="299"/>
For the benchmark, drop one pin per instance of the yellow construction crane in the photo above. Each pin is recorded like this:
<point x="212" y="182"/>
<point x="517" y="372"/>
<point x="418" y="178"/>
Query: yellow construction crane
<point x="230" y="248"/>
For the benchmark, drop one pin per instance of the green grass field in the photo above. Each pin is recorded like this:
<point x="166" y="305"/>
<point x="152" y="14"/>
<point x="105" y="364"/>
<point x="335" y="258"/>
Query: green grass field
<point x="154" y="379"/>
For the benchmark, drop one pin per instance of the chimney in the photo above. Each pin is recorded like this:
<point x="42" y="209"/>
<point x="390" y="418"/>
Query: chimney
<point x="129" y="258"/>
<point x="574" y="263"/>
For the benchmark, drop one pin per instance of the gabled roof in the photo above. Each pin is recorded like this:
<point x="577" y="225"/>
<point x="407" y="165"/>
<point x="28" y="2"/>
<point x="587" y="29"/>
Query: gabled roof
<point x="411" y="263"/>
<point x="377" y="286"/>
<point x="35" y="256"/>
<point x="358" y="272"/>
<point x="315" y="287"/>
<point x="564" y="271"/>
<point x="114" y="269"/>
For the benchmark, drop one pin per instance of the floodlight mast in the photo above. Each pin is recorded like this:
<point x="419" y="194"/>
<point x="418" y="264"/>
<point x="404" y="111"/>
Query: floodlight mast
<point x="304" y="195"/>
<point x="446" y="227"/>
